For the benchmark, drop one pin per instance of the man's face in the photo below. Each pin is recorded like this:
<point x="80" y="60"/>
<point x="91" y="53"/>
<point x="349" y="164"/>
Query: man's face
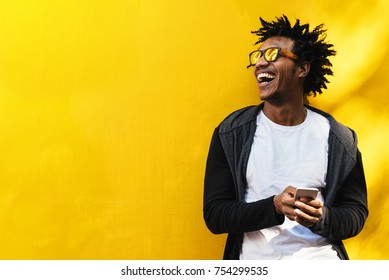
<point x="278" y="79"/>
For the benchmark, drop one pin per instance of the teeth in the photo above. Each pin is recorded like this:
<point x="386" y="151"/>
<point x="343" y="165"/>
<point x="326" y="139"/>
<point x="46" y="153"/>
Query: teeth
<point x="265" y="75"/>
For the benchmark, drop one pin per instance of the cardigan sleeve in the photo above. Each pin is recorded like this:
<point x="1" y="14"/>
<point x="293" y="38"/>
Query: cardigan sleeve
<point x="223" y="212"/>
<point x="346" y="217"/>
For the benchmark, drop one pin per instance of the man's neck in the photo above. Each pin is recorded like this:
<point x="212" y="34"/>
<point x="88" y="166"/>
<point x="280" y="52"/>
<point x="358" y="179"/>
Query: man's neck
<point x="287" y="114"/>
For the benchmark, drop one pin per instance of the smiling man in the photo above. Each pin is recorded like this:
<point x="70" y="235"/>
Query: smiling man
<point x="260" y="155"/>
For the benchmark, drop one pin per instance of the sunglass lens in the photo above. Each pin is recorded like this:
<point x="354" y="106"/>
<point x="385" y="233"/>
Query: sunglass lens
<point x="255" y="57"/>
<point x="271" y="54"/>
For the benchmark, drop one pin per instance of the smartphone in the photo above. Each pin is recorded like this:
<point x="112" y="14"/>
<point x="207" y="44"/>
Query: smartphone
<point x="306" y="192"/>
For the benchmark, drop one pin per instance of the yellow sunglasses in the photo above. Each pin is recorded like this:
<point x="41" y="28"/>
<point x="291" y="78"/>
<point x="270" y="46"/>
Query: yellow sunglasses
<point x="270" y="55"/>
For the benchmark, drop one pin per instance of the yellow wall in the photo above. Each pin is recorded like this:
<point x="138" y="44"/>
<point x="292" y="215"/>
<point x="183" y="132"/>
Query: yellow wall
<point x="107" y="108"/>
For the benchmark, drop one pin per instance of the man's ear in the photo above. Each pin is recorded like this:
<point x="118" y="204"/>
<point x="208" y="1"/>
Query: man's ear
<point x="303" y="69"/>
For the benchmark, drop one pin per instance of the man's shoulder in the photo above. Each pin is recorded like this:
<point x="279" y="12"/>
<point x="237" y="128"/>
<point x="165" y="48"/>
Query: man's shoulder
<point x="333" y="122"/>
<point x="239" y="118"/>
<point x="343" y="133"/>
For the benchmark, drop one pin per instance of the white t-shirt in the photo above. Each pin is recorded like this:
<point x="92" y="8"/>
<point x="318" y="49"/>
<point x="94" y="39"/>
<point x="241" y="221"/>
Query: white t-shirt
<point x="284" y="156"/>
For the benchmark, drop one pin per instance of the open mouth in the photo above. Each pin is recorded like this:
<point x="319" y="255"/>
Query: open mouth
<point x="265" y="78"/>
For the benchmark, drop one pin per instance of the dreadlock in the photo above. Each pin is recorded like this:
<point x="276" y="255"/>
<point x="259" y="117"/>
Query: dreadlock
<point x="308" y="45"/>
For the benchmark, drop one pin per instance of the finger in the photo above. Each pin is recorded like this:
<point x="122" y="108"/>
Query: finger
<point x="300" y="215"/>
<point x="290" y="190"/>
<point x="291" y="217"/>
<point x="313" y="202"/>
<point x="287" y="201"/>
<point x="304" y="222"/>
<point x="315" y="210"/>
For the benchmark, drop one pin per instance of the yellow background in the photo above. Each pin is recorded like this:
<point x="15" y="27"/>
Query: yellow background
<point x="107" y="108"/>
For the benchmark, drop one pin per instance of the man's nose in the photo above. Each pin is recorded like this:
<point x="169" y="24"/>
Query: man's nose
<point x="261" y="62"/>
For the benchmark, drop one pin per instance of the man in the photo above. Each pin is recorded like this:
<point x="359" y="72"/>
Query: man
<point x="259" y="155"/>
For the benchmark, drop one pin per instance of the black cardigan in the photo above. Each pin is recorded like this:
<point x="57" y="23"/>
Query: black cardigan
<point x="225" y="211"/>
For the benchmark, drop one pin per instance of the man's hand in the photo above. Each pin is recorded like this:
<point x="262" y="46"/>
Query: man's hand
<point x="305" y="211"/>
<point x="308" y="211"/>
<point x="285" y="203"/>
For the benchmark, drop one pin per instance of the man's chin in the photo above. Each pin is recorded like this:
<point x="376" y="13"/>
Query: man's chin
<point x="264" y="96"/>
<point x="269" y="97"/>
